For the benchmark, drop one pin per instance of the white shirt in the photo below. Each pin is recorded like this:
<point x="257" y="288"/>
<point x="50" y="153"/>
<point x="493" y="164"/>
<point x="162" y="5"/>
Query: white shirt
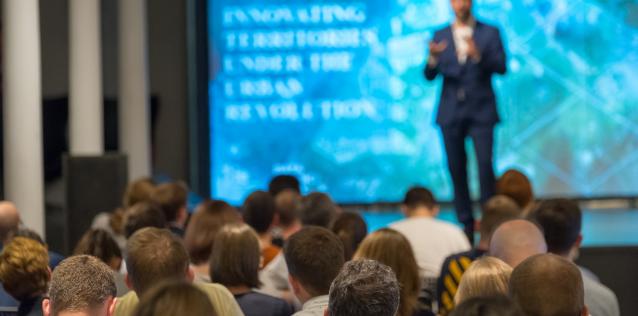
<point x="432" y="240"/>
<point x="315" y="306"/>
<point x="461" y="33"/>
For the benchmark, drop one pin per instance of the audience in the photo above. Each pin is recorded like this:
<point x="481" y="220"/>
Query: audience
<point x="515" y="185"/>
<point x="235" y="264"/>
<point x="314" y="257"/>
<point x="287" y="205"/>
<point x="561" y="220"/>
<point x="171" y="198"/>
<point x="392" y="249"/>
<point x="209" y="217"/>
<point x="548" y="285"/>
<point x="487" y="276"/>
<point x="351" y="229"/>
<point x="24" y="273"/>
<point x="364" y="288"/>
<point x="156" y="255"/>
<point x="258" y="211"/>
<point x="175" y="298"/>
<point x="81" y="286"/>
<point x="517" y="240"/>
<point x="488" y="306"/>
<point x="143" y="214"/>
<point x="496" y="210"/>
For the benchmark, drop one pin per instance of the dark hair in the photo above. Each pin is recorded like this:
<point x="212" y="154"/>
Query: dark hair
<point x="287" y="204"/>
<point x="175" y="298"/>
<point x="29" y="233"/>
<point x="500" y="305"/>
<point x="497" y="210"/>
<point x="517" y="186"/>
<point x="561" y="220"/>
<point x="236" y="256"/>
<point x="143" y="214"/>
<point x="209" y="217"/>
<point x="317" y="209"/>
<point x="314" y="256"/>
<point x="351" y="229"/>
<point x="364" y="288"/>
<point x="98" y="243"/>
<point x="258" y="211"/>
<point x="170" y="197"/>
<point x="418" y="197"/>
<point x="283" y="182"/>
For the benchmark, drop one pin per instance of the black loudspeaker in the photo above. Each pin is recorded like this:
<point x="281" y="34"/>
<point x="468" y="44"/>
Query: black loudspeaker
<point x="92" y="184"/>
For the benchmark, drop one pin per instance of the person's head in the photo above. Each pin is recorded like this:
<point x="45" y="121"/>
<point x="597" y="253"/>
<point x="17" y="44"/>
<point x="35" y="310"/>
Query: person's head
<point x="517" y="186"/>
<point x="561" y="220"/>
<point x="517" y="240"/>
<point x="171" y="197"/>
<point x="258" y="211"/>
<point x="462" y="9"/>
<point x="496" y="211"/>
<point x="175" y="298"/>
<point x="391" y="248"/>
<point x="98" y="243"/>
<point x="154" y="255"/>
<point x="419" y="199"/>
<point x="29" y="233"/>
<point x="236" y="257"/>
<point x="81" y="286"/>
<point x="548" y="285"/>
<point x="488" y="306"/>
<point x="141" y="215"/>
<point x="318" y="209"/>
<point x="283" y="182"/>
<point x="287" y="207"/>
<point x="314" y="256"/>
<point x="24" y="268"/>
<point x="9" y="220"/>
<point x="209" y="217"/>
<point x="486" y="276"/>
<point x="364" y="288"/>
<point x="351" y="229"/>
<point x="139" y="190"/>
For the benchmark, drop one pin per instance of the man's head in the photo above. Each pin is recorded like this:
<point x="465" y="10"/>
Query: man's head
<point x="287" y="206"/>
<point x="154" y="255"/>
<point x="314" y="256"/>
<point x="171" y="197"/>
<point x="9" y="220"/>
<point x="517" y="240"/>
<point x="517" y="186"/>
<point x="24" y="268"/>
<point x="283" y="182"/>
<point x="462" y="9"/>
<point x="497" y="210"/>
<point x="561" y="220"/>
<point x="548" y="285"/>
<point x="419" y="199"/>
<point x="141" y="215"/>
<point x="258" y="211"/>
<point x="318" y="209"/>
<point x="81" y="286"/>
<point x="139" y="190"/>
<point x="364" y="288"/>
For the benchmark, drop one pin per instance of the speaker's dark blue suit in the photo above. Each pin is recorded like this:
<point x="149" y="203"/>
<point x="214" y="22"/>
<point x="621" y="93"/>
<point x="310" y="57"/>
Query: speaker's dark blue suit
<point x="467" y="108"/>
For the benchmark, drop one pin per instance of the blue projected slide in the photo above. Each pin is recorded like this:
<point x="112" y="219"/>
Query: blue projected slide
<point x="333" y="92"/>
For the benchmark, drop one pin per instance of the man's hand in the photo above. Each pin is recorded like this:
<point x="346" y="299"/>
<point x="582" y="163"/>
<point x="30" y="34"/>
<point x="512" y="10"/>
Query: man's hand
<point x="437" y="48"/>
<point x="472" y="50"/>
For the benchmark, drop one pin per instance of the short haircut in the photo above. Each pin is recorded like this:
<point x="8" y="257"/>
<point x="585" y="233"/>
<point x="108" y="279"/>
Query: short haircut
<point x="351" y="229"/>
<point x="500" y="305"/>
<point x="561" y="220"/>
<point x="236" y="257"/>
<point x="154" y="255"/>
<point x="314" y="256"/>
<point x="24" y="268"/>
<point x="175" y="298"/>
<point x="548" y="285"/>
<point x="283" y="182"/>
<point x="258" y="211"/>
<point x="81" y="283"/>
<point x="139" y="190"/>
<point x="29" y="233"/>
<point x="287" y="207"/>
<point x="141" y="215"/>
<point x="419" y="197"/>
<point x="364" y="288"/>
<point x="170" y="197"/>
<point x="317" y="209"/>
<point x="209" y="217"/>
<point x="497" y="210"/>
<point x="98" y="243"/>
<point x="517" y="186"/>
<point x="517" y="240"/>
<point x="486" y="276"/>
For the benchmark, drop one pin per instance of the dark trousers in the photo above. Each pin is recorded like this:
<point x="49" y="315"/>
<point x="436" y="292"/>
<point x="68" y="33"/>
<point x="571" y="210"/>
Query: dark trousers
<point x="483" y="138"/>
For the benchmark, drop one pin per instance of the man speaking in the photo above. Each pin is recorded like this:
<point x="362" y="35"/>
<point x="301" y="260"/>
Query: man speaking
<point x="466" y="54"/>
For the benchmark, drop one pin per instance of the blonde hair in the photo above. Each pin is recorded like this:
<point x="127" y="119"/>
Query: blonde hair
<point x="391" y="248"/>
<point x="487" y="276"/>
<point x="24" y="268"/>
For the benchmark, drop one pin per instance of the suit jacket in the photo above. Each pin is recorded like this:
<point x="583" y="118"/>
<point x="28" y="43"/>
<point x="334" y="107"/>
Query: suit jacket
<point x="467" y="93"/>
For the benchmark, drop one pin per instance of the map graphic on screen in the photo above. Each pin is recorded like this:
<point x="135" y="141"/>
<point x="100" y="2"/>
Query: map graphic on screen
<point x="333" y="92"/>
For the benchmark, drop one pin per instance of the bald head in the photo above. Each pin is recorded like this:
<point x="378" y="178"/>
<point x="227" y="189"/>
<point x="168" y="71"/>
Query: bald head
<point x="517" y="240"/>
<point x="9" y="220"/>
<point x="530" y="286"/>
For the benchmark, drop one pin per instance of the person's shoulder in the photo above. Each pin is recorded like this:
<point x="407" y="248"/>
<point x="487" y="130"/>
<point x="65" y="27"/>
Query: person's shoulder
<point x="125" y="305"/>
<point x="223" y="301"/>
<point x="488" y="28"/>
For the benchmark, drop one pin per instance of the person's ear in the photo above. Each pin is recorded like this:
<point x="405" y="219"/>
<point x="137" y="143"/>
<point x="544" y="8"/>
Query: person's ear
<point x="190" y="274"/>
<point x="579" y="240"/>
<point x="111" y="308"/>
<point x="326" y="313"/>
<point x="46" y="307"/>
<point x="129" y="283"/>
<point x="293" y="284"/>
<point x="477" y="225"/>
<point x="404" y="209"/>
<point x="585" y="311"/>
<point x="435" y="210"/>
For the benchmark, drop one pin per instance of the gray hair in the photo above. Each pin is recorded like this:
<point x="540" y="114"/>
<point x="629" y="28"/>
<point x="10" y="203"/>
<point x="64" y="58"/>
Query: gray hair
<point x="364" y="288"/>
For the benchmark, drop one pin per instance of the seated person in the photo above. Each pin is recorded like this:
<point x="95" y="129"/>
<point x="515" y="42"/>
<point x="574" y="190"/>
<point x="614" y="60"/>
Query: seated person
<point x="487" y="276"/>
<point x="175" y="298"/>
